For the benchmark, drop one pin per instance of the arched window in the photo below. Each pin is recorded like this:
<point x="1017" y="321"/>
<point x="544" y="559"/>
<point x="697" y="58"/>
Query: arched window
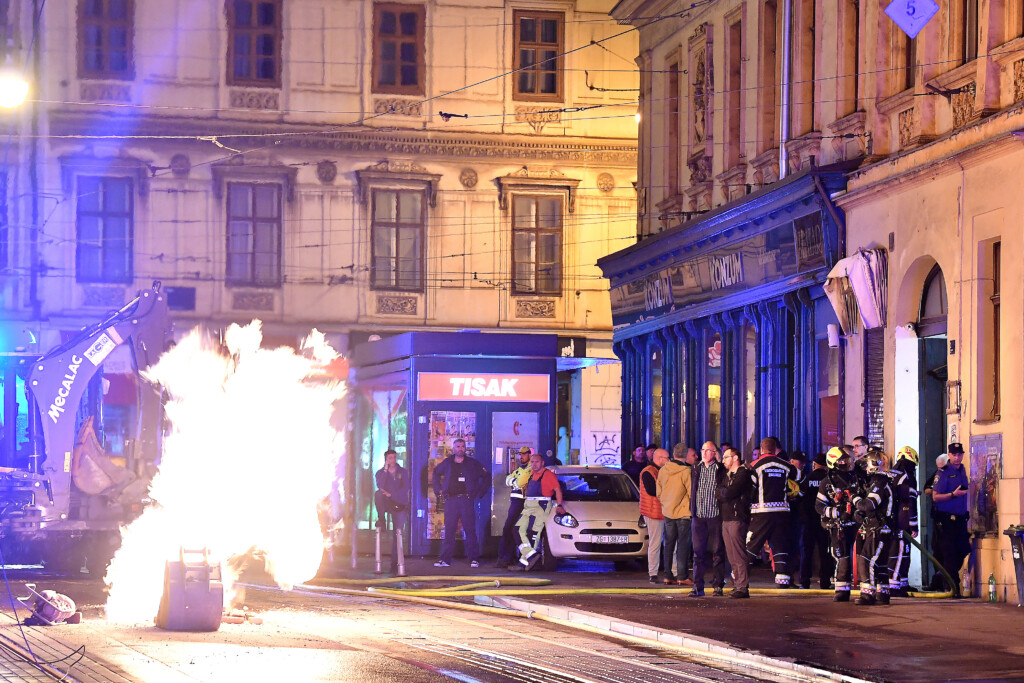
<point x="931" y="319"/>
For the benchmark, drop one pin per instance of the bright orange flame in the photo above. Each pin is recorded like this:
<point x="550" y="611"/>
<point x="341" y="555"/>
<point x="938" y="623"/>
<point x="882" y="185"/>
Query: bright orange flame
<point x="250" y="455"/>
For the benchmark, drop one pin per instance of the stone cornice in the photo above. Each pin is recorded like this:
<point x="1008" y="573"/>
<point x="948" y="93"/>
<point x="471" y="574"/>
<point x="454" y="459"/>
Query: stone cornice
<point x="611" y="152"/>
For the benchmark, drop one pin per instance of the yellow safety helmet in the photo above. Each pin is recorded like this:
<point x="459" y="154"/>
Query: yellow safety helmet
<point x="908" y="453"/>
<point x="833" y="456"/>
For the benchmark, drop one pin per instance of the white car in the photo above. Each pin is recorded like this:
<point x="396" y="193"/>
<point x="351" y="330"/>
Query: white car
<point x="602" y="518"/>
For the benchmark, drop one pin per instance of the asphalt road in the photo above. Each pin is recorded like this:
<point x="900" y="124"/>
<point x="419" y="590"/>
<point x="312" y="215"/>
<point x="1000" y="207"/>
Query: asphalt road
<point x="312" y="635"/>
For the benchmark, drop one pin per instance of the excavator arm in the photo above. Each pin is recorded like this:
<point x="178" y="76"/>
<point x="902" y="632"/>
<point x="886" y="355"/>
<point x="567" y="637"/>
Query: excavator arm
<point x="58" y="380"/>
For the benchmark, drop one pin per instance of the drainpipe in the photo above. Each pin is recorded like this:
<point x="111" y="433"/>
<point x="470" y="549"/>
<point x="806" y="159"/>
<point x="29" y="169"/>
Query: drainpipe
<point x="785" y="86"/>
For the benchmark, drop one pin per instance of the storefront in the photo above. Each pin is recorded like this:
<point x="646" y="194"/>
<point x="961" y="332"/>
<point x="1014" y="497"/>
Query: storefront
<point x="418" y="392"/>
<point x="722" y="325"/>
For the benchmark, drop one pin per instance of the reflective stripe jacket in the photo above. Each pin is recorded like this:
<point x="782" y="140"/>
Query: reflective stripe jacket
<point x="876" y="501"/>
<point x="771" y="476"/>
<point x="904" y="477"/>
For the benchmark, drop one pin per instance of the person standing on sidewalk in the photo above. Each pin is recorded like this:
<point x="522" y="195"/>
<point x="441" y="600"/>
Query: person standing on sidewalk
<point x="541" y="487"/>
<point x="835" y="505"/>
<point x="904" y="474"/>
<point x="650" y="508"/>
<point x="516" y="481"/>
<point x="875" y="506"/>
<point x="734" y="494"/>
<point x="770" y="508"/>
<point x="815" y="539"/>
<point x="950" y="495"/>
<point x="636" y="464"/>
<point x="707" y="520"/>
<point x="674" y="493"/>
<point x="459" y="480"/>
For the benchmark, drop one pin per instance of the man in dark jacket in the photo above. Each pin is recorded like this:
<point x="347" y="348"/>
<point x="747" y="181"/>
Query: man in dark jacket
<point x="815" y="536"/>
<point x="707" y="520"/>
<point x="734" y="493"/>
<point x="458" y="482"/>
<point x="392" y="498"/>
<point x="636" y="465"/>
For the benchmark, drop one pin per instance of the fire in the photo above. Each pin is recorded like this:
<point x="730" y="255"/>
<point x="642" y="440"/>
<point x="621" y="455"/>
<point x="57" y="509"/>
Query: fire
<point x="250" y="455"/>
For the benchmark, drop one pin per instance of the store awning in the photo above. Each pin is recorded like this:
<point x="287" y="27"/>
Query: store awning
<point x="857" y="287"/>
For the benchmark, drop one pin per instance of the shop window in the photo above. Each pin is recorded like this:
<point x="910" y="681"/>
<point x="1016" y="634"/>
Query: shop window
<point x="104" y="229"/>
<point x="828" y="394"/>
<point x="751" y="374"/>
<point x="398" y="48"/>
<point x="254" y="234"/>
<point x="714" y="383"/>
<point x="657" y="393"/>
<point x="397" y="240"/>
<point x="538" y="55"/>
<point x="989" y="350"/>
<point x="682" y="366"/>
<point x="105" y="29"/>
<point x="537" y="245"/>
<point x="254" y="42"/>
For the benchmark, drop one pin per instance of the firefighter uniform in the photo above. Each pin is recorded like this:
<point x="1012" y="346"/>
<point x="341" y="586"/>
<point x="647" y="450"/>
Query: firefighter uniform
<point x="769" y="513"/>
<point x="874" y="508"/>
<point x="516" y="481"/>
<point x="539" y="490"/>
<point x="834" y="503"/>
<point x="904" y="473"/>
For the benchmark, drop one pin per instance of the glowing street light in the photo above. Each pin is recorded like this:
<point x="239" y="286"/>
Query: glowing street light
<point x="13" y="89"/>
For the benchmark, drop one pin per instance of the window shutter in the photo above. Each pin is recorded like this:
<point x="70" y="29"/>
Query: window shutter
<point x="874" y="381"/>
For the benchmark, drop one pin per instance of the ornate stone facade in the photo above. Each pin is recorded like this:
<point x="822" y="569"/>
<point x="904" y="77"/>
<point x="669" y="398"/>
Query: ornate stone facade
<point x="252" y="301"/>
<point x="906" y="127"/>
<point x="605" y="182"/>
<point x="104" y="296"/>
<point x="1018" y="81"/>
<point x="537" y="117"/>
<point x="396" y="305"/>
<point x="93" y="91"/>
<point x="468" y="178"/>
<point x="326" y="171"/>
<point x="963" y="105"/>
<point x="535" y="308"/>
<point x="255" y="99"/>
<point x="397" y="106"/>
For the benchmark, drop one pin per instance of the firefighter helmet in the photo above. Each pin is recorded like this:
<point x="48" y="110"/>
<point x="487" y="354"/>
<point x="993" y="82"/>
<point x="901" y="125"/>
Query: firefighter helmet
<point x="873" y="462"/>
<point x="907" y="453"/>
<point x="834" y="455"/>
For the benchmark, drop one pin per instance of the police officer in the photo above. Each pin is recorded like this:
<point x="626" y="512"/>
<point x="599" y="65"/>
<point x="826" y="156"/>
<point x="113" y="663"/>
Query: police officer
<point x="904" y="474"/>
<point x="874" y="505"/>
<point x="950" y="493"/>
<point x="516" y="481"/>
<point x="835" y="505"/>
<point x="769" y="509"/>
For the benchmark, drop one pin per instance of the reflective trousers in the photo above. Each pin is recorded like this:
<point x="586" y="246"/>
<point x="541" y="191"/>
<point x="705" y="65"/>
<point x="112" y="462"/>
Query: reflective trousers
<point x="774" y="528"/>
<point x="873" y="560"/>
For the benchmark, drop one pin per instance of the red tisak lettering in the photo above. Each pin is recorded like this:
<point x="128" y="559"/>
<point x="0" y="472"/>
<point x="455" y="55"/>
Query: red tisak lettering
<point x="443" y="386"/>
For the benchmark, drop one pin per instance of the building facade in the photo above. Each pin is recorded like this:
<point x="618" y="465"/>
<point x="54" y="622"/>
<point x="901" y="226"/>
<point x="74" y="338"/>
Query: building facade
<point x="760" y="113"/>
<point x="365" y="168"/>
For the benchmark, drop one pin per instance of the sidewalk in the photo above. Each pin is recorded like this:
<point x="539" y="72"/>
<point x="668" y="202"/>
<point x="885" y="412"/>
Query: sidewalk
<point x="913" y="639"/>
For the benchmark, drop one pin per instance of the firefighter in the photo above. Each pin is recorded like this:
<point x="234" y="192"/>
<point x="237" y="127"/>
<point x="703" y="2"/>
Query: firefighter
<point x="904" y="474"/>
<point x="835" y="505"/>
<point x="769" y="509"/>
<point x="540" y="488"/>
<point x="874" y="508"/>
<point x="516" y="481"/>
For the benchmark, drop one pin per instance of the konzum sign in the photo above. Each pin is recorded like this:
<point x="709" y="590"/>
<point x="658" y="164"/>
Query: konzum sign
<point x="458" y="386"/>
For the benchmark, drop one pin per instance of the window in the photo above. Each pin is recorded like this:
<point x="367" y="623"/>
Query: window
<point x="537" y="245"/>
<point x="803" y="84"/>
<point x="990" y="349"/>
<point x="398" y="49"/>
<point x="968" y="30"/>
<point x="672" y="148"/>
<point x="104" y="225"/>
<point x="849" y="57"/>
<point x="105" y="39"/>
<point x="397" y="240"/>
<point x="538" y="60"/>
<point x="254" y="42"/>
<point x="767" y="91"/>
<point x="733" y="85"/>
<point x="254" y="234"/>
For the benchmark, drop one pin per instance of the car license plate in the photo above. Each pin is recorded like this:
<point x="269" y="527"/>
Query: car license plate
<point x="610" y="539"/>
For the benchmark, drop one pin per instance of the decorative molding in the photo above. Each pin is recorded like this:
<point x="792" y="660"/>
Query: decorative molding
<point x="733" y="182"/>
<point x="700" y="167"/>
<point x="326" y="171"/>
<point x="766" y="167"/>
<point x="906" y="127"/>
<point x="75" y="164"/>
<point x="535" y="308"/>
<point x="468" y="178"/>
<point x="236" y="169"/>
<point x="1018" y="81"/>
<point x="262" y="99"/>
<point x="397" y="106"/>
<point x="963" y="105"/>
<point x="852" y="125"/>
<point x="699" y="32"/>
<point x="405" y="143"/>
<point x="526" y="180"/>
<point x="801" y="150"/>
<point x="397" y="305"/>
<point x="252" y="301"/>
<point x="103" y="296"/>
<point x="97" y="91"/>
<point x="698" y="197"/>
<point x="181" y="165"/>
<point x="605" y="182"/>
<point x="537" y="117"/>
<point x="389" y="172"/>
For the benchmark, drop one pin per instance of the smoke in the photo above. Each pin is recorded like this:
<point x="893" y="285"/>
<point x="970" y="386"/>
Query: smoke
<point x="249" y="458"/>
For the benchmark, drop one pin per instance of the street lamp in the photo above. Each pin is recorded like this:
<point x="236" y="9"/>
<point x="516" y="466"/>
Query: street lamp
<point x="13" y="88"/>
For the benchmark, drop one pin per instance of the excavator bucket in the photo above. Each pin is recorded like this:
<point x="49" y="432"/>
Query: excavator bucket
<point x="91" y="469"/>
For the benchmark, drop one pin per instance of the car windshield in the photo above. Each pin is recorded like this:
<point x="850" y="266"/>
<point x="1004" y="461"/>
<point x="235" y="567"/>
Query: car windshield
<point x="613" y="488"/>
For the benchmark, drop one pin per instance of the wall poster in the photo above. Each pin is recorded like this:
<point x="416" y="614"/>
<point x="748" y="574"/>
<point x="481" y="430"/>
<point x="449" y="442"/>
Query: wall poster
<point x="986" y="470"/>
<point x="445" y="427"/>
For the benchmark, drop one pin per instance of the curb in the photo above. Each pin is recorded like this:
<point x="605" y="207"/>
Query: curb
<point x="655" y="636"/>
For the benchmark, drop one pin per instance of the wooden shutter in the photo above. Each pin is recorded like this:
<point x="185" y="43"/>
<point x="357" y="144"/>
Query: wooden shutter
<point x="874" y="381"/>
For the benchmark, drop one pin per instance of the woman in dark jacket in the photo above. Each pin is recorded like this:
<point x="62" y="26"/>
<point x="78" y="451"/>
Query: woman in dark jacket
<point x="734" y="500"/>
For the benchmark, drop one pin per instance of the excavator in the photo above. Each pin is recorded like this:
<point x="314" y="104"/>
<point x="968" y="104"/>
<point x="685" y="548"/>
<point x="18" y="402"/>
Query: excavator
<point x="63" y="497"/>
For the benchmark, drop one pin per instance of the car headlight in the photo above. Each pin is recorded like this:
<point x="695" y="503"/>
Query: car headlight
<point x="566" y="520"/>
<point x="642" y="523"/>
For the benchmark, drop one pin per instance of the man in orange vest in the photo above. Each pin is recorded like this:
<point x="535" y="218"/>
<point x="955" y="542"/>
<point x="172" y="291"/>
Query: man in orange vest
<point x="650" y="508"/>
